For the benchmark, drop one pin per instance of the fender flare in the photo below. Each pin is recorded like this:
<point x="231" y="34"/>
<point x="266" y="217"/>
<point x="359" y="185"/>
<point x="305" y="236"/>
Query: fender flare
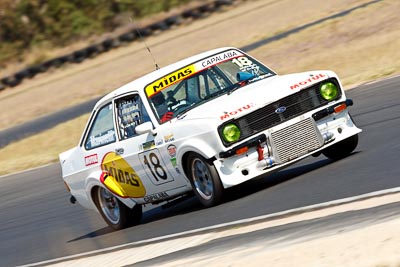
<point x="207" y="151"/>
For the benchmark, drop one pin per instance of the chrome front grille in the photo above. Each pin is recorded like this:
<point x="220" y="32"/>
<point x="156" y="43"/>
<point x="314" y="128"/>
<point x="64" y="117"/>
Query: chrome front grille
<point x="296" y="140"/>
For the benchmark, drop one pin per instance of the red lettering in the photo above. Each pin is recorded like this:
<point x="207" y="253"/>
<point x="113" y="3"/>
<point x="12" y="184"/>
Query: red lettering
<point x="226" y="116"/>
<point x="232" y="113"/>
<point x="309" y="80"/>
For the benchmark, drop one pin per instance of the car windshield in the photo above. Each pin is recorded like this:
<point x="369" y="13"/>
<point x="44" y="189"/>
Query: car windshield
<point x="193" y="85"/>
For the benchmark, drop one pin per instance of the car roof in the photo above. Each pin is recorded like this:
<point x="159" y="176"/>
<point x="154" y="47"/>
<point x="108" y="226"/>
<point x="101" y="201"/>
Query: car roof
<point x="141" y="82"/>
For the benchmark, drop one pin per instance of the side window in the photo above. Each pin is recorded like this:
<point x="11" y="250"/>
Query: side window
<point x="130" y="113"/>
<point x="102" y="131"/>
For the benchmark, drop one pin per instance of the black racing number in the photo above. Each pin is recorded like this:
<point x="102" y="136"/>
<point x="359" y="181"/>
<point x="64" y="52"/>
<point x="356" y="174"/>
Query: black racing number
<point x="155" y="167"/>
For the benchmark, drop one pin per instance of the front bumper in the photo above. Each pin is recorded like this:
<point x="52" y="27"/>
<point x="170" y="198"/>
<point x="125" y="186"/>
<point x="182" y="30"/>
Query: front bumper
<point x="285" y="144"/>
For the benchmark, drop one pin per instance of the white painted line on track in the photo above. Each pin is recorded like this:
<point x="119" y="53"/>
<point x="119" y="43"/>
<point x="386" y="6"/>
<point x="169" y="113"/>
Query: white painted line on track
<point x="224" y="225"/>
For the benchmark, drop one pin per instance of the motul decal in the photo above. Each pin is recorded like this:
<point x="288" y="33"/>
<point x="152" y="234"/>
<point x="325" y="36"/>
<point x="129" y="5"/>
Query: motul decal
<point x="310" y="80"/>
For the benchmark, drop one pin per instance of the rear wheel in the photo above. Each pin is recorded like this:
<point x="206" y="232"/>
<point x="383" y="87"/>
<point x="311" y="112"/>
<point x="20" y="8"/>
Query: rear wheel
<point x="114" y="212"/>
<point x="205" y="180"/>
<point x="341" y="149"/>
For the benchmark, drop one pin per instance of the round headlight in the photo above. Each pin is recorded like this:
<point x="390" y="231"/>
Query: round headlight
<point x="329" y="91"/>
<point x="231" y="133"/>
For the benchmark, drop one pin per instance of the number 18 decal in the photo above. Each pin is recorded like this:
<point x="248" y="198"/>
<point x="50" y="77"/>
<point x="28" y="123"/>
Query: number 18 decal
<point x="154" y="166"/>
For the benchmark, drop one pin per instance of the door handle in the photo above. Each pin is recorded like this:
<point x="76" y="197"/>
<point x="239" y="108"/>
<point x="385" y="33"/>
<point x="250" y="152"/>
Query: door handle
<point x="119" y="151"/>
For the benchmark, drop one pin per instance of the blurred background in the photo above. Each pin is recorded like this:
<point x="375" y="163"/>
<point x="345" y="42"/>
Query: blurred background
<point x="30" y="28"/>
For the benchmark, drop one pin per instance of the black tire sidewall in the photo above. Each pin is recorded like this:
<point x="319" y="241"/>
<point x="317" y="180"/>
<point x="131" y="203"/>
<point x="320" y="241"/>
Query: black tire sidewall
<point x="341" y="149"/>
<point x="128" y="217"/>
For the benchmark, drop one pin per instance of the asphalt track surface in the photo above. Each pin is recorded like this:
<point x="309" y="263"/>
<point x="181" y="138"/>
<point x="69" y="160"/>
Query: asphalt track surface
<point x="38" y="223"/>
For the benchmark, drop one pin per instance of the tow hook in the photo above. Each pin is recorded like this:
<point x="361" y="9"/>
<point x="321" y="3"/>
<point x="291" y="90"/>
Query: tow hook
<point x="72" y="199"/>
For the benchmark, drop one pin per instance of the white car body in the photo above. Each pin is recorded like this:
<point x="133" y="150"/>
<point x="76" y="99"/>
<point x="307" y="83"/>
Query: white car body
<point x="152" y="166"/>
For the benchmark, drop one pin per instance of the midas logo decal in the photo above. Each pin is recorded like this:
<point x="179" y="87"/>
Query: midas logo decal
<point x="308" y="81"/>
<point x="119" y="177"/>
<point x="168" y="80"/>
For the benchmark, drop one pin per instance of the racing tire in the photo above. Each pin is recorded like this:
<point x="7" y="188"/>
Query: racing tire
<point x="12" y="82"/>
<point x="173" y="20"/>
<point x="144" y="32"/>
<point x="207" y="8"/>
<point x="159" y="26"/>
<point x="205" y="180"/>
<point x="116" y="214"/>
<point x="341" y="149"/>
<point x="107" y="44"/>
<point x="127" y="37"/>
<point x="92" y="51"/>
<point x="22" y="74"/>
<point x="191" y="13"/>
<point x="219" y="3"/>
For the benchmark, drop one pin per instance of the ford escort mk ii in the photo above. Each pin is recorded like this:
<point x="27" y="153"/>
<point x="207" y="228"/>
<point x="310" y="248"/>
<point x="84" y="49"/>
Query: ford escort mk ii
<point x="203" y="124"/>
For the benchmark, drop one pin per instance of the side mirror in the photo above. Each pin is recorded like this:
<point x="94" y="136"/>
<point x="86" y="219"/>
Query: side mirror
<point x="146" y="127"/>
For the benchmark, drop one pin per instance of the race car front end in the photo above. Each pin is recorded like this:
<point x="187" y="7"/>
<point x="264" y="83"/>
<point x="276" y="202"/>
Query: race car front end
<point x="284" y="131"/>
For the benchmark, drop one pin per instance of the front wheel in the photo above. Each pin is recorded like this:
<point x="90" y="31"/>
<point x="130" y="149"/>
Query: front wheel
<point x="114" y="212"/>
<point x="205" y="181"/>
<point x="341" y="149"/>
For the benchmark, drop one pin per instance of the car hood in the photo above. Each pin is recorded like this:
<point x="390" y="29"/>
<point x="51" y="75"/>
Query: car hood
<point x="255" y="95"/>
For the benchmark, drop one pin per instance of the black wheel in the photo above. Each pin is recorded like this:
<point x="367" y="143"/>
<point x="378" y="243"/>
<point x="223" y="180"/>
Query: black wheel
<point x="205" y="181"/>
<point x="341" y="149"/>
<point x="114" y="212"/>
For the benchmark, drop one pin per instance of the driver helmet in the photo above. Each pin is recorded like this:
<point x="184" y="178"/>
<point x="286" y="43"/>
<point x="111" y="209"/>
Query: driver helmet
<point x="160" y="103"/>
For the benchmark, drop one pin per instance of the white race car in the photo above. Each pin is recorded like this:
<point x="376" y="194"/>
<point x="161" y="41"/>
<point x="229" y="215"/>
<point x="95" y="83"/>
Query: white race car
<point x="203" y="124"/>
